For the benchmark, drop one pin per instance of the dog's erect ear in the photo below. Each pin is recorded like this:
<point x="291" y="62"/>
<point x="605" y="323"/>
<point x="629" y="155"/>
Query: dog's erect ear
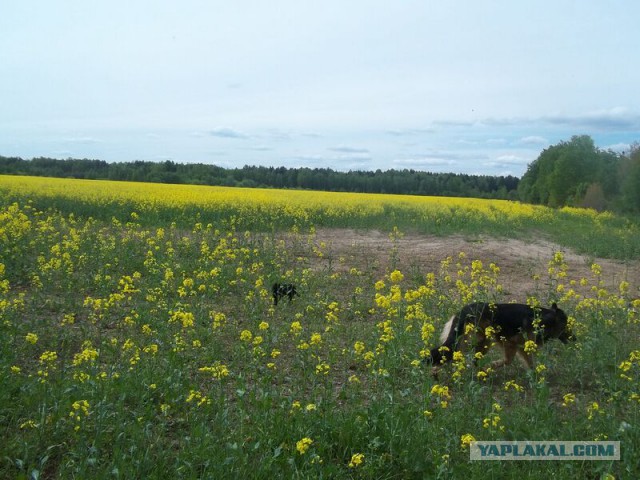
<point x="554" y="306"/>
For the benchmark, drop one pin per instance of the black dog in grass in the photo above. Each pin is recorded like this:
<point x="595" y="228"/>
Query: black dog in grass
<point x="280" y="290"/>
<point x="513" y="324"/>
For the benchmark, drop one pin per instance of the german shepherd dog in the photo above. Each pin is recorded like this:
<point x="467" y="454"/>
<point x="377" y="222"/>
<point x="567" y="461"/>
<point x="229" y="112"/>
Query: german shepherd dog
<point x="512" y="323"/>
<point x="281" y="290"/>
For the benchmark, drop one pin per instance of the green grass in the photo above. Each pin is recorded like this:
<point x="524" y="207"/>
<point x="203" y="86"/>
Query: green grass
<point x="133" y="313"/>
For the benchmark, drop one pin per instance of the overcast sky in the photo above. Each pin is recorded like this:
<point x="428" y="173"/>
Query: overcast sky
<point x="445" y="86"/>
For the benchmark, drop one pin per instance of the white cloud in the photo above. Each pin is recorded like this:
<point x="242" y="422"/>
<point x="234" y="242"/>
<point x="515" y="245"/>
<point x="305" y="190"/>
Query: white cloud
<point x="533" y="140"/>
<point x="331" y="161"/>
<point x="261" y="148"/>
<point x="504" y="162"/>
<point x="225" y="132"/>
<point x="511" y="159"/>
<point x="83" y="140"/>
<point x="616" y="118"/>
<point x="618" y="147"/>
<point x="345" y="149"/>
<point x="409" y="132"/>
<point x="424" y="162"/>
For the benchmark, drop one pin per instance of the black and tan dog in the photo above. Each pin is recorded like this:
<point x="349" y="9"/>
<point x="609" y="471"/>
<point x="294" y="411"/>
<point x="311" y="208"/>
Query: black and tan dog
<point x="512" y="325"/>
<point x="280" y="290"/>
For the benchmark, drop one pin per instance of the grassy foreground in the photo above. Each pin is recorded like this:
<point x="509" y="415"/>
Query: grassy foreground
<point x="134" y="346"/>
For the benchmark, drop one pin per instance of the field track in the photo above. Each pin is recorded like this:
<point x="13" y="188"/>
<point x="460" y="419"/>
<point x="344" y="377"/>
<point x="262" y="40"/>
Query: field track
<point x="518" y="260"/>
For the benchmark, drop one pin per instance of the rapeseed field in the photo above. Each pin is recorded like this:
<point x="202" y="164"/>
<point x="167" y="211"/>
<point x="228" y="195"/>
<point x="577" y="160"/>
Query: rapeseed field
<point x="139" y="338"/>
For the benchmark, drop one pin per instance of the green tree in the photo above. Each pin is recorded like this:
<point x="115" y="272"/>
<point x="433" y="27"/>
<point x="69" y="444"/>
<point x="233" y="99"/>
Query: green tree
<point x="631" y="182"/>
<point x="563" y="174"/>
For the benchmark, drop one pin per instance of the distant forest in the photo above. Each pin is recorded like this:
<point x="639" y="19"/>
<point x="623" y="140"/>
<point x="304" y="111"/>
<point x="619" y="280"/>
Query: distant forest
<point x="571" y="173"/>
<point x="407" y="182"/>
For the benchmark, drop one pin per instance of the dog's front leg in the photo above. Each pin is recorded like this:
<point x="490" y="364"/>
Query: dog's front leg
<point x="510" y="350"/>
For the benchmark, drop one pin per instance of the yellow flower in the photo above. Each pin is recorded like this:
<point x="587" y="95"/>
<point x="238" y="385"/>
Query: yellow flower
<point x="219" y="319"/>
<point x="200" y="399"/>
<point x="530" y="346"/>
<point x="303" y="445"/>
<point x="217" y="370"/>
<point x="512" y="384"/>
<point x="489" y="332"/>
<point x="79" y="409"/>
<point x="28" y="424"/>
<point x="465" y="440"/>
<point x="322" y="369"/>
<point x="88" y="355"/>
<point x="568" y="399"/>
<point x="246" y="336"/>
<point x="396" y="276"/>
<point x="356" y="460"/>
<point x="263" y="326"/>
<point x="625" y="366"/>
<point x="593" y="408"/>
<point x="558" y="258"/>
<point x="296" y="328"/>
<point x="32" y="338"/>
<point x="48" y="356"/>
<point x="441" y="391"/>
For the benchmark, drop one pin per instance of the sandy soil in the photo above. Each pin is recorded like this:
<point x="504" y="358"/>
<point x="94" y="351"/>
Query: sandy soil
<point x="518" y="260"/>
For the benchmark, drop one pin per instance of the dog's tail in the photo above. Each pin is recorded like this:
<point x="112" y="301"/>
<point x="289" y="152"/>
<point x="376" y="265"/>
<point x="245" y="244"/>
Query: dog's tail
<point x="448" y="339"/>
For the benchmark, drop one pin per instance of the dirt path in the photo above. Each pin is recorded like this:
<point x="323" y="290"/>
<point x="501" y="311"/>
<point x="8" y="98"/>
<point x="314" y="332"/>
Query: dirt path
<point x="519" y="261"/>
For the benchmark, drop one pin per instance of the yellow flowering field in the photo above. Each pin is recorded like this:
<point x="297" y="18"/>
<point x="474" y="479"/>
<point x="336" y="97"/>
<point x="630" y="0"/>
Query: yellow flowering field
<point x="586" y="231"/>
<point x="139" y="339"/>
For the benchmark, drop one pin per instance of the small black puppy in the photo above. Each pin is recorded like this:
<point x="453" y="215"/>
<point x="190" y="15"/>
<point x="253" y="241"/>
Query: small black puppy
<point x="280" y="290"/>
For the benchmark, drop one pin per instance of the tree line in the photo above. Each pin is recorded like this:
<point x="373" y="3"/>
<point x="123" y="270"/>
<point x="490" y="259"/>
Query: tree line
<point x="407" y="182"/>
<point x="570" y="173"/>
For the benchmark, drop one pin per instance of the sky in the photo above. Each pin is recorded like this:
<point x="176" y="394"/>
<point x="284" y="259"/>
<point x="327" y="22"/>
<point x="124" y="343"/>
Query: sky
<point x="478" y="87"/>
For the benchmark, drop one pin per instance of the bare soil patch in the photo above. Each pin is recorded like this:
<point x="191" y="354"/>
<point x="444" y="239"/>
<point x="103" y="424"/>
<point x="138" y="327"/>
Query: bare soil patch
<point x="518" y="260"/>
